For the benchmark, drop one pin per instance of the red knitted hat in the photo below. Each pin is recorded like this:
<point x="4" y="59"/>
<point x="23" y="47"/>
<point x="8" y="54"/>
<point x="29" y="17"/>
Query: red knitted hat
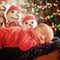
<point x="4" y="0"/>
<point x="13" y="8"/>
<point x="31" y="17"/>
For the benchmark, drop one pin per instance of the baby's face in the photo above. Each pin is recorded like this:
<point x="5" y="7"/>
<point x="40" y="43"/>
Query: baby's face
<point x="43" y="35"/>
<point x="40" y="37"/>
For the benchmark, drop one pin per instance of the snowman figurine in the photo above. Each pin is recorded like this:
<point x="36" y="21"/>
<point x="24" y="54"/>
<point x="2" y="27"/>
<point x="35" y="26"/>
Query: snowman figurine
<point x="29" y="21"/>
<point x="13" y="17"/>
<point x="3" y="4"/>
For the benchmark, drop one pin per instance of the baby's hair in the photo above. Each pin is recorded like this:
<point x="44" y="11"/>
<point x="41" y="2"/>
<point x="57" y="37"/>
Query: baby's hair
<point x="48" y="30"/>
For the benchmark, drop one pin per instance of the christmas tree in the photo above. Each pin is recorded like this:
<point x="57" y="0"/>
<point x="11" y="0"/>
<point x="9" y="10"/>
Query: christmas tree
<point x="47" y="11"/>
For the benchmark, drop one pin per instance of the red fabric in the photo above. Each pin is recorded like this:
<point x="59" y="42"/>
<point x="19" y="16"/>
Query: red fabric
<point x="27" y="40"/>
<point x="7" y="37"/>
<point x="4" y="0"/>
<point x="1" y="15"/>
<point x="13" y="39"/>
<point x="8" y="24"/>
<point x="13" y="8"/>
<point x="2" y="36"/>
<point x="23" y="39"/>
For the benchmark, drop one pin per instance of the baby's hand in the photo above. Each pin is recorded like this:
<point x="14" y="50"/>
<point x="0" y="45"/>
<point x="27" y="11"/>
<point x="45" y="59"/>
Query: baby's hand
<point x="48" y="41"/>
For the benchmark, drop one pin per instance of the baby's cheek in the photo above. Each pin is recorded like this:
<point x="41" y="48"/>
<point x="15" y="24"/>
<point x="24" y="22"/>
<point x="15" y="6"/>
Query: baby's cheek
<point x="48" y="41"/>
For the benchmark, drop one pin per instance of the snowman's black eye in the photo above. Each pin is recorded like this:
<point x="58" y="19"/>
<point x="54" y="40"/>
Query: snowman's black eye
<point x="26" y="22"/>
<point x="32" y="22"/>
<point x="12" y="11"/>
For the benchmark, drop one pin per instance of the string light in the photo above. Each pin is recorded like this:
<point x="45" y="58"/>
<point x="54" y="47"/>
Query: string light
<point x="36" y="7"/>
<point x="48" y="5"/>
<point x="37" y="14"/>
<point x="55" y="4"/>
<point x="43" y="7"/>
<point x="56" y="0"/>
<point x="49" y="17"/>
<point x="59" y="14"/>
<point x="58" y="25"/>
<point x="58" y="10"/>
<point x="52" y="25"/>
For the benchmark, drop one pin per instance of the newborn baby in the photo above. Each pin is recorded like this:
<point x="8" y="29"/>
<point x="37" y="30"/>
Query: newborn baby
<point x="43" y="33"/>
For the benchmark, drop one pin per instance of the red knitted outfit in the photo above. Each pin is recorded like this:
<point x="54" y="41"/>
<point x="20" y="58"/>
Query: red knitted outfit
<point x="12" y="38"/>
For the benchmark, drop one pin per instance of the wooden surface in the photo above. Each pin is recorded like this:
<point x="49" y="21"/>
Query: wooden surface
<point x="50" y="56"/>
